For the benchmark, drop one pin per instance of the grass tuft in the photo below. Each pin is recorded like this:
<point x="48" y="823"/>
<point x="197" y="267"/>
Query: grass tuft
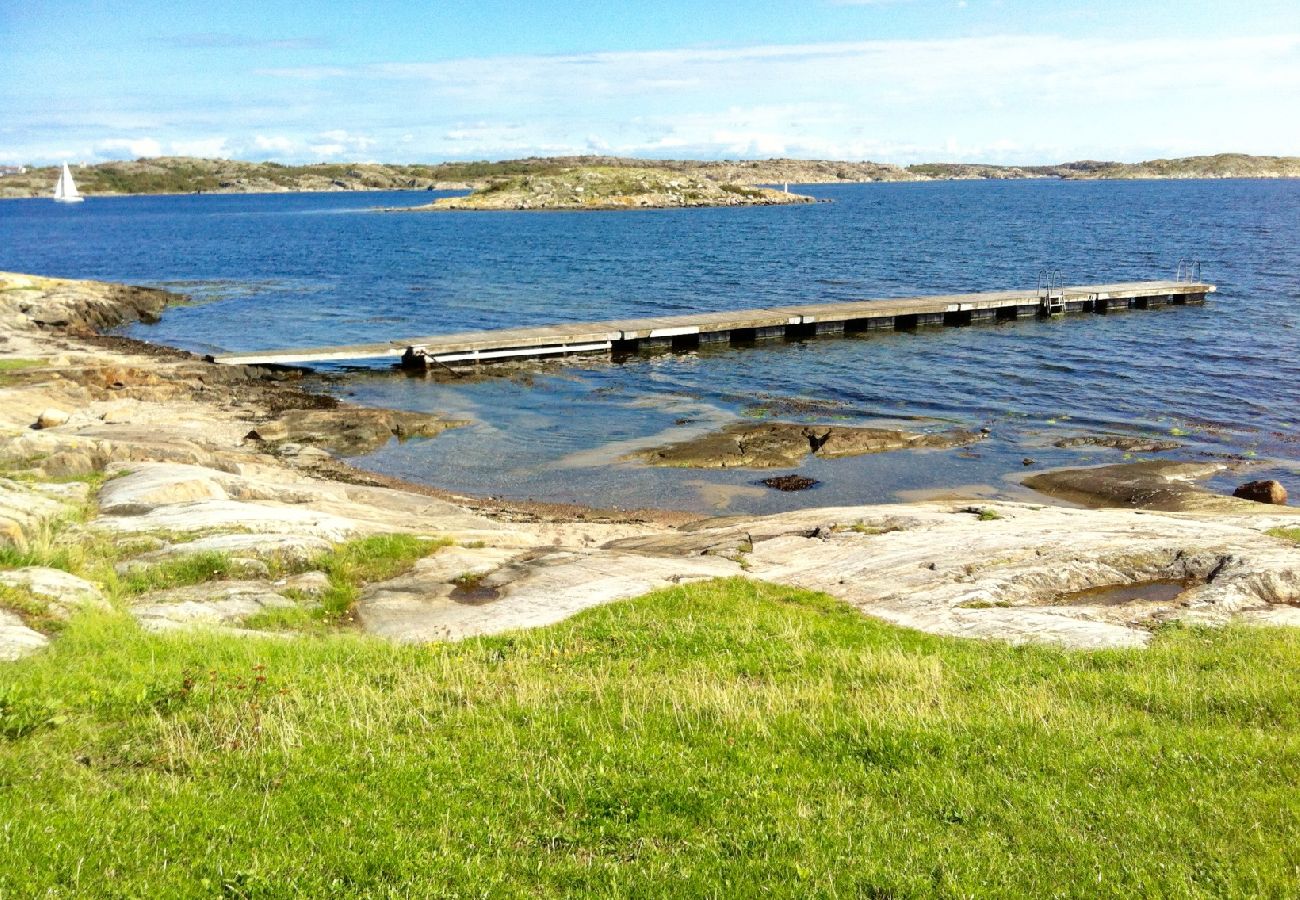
<point x="1288" y="534"/>
<point x="365" y="560"/>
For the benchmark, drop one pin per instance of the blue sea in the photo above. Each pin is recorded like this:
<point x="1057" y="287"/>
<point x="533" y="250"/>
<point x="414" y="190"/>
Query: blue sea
<point x="299" y="269"/>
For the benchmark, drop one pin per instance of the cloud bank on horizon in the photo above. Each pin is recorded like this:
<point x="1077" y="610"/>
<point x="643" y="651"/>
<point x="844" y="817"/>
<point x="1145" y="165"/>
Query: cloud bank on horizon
<point x="996" y="97"/>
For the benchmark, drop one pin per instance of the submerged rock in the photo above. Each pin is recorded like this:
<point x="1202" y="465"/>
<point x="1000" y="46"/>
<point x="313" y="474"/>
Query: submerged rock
<point x="1159" y="485"/>
<point x="351" y="431"/>
<point x="1127" y="443"/>
<point x="772" y="445"/>
<point x="1262" y="492"/>
<point x="789" y="482"/>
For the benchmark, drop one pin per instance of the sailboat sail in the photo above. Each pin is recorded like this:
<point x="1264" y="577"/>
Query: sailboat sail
<point x="65" y="190"/>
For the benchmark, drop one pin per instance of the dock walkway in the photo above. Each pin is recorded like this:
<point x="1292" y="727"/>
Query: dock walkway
<point x="743" y="326"/>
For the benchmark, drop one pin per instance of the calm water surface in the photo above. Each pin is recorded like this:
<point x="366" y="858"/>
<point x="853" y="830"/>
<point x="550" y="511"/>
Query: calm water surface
<point x="301" y="269"/>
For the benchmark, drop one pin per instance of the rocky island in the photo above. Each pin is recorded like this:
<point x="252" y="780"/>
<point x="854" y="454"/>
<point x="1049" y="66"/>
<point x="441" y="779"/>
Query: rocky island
<point x="595" y="188"/>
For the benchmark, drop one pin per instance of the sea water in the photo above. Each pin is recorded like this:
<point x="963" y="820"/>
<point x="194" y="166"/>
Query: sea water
<point x="300" y="269"/>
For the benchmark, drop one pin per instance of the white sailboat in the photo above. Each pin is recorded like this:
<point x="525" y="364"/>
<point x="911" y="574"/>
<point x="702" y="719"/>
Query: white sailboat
<point x="66" y="189"/>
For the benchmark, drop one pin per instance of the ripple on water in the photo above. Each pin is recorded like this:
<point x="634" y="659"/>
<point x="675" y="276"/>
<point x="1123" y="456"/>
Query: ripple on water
<point x="1223" y="375"/>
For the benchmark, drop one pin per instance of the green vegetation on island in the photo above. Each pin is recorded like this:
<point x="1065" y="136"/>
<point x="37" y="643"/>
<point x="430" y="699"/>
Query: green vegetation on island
<point x="183" y="175"/>
<point x="729" y="733"/>
<point x="610" y="188"/>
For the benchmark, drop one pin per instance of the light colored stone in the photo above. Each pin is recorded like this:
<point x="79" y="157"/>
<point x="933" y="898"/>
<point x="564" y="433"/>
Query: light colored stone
<point x="22" y="510"/>
<point x="64" y="591"/>
<point x="294" y="548"/>
<point x="157" y="485"/>
<point x="52" y="418"/>
<point x="248" y="567"/>
<point x="537" y="592"/>
<point x="16" y="639"/>
<point x="216" y="515"/>
<point x="313" y="584"/>
<point x="214" y="603"/>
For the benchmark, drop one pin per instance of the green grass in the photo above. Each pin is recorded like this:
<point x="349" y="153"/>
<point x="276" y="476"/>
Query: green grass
<point x="18" y="364"/>
<point x="182" y="571"/>
<point x="721" y="739"/>
<point x="365" y="560"/>
<point x="1290" y="534"/>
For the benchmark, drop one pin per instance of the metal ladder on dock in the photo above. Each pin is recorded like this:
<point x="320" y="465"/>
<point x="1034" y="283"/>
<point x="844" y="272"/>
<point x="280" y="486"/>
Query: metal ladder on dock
<point x="1189" y="270"/>
<point x="1051" y="299"/>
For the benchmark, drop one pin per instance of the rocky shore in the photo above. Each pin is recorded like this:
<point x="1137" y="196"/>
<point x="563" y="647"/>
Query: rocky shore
<point x="139" y="458"/>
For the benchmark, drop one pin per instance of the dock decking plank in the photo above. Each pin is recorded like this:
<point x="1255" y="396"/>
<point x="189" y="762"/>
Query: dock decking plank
<point x="556" y="338"/>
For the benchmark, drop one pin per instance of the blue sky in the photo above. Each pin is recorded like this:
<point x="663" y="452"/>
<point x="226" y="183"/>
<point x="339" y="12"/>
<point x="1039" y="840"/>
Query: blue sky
<point x="890" y="80"/>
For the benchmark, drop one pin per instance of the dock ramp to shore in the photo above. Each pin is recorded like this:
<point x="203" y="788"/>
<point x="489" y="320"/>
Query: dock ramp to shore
<point x="743" y="327"/>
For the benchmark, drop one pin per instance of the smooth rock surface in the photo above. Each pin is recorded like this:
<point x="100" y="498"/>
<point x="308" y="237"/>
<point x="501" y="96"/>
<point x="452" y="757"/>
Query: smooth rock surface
<point x="214" y="603"/>
<point x="1154" y="484"/>
<point x="65" y="592"/>
<point x="16" y="639"/>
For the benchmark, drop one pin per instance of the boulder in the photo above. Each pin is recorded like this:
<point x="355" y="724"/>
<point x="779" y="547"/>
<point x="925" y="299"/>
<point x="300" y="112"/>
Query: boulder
<point x="214" y="603"/>
<point x="313" y="584"/>
<point x="65" y="592"/>
<point x="16" y="639"/>
<point x="1268" y="491"/>
<point x="52" y="418"/>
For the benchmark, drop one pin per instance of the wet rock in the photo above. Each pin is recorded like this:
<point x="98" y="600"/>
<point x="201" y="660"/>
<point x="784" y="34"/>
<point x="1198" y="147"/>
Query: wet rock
<point x="789" y="482"/>
<point x="52" y="418"/>
<point x="769" y="445"/>
<point x="64" y="592"/>
<point x="1127" y="443"/>
<point x="1157" y="485"/>
<point x="351" y="431"/>
<point x="1262" y="492"/>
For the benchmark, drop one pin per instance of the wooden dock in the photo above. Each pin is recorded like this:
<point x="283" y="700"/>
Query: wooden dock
<point x="743" y="326"/>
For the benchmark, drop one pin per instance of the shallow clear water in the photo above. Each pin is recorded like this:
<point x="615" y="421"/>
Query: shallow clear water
<point x="301" y="269"/>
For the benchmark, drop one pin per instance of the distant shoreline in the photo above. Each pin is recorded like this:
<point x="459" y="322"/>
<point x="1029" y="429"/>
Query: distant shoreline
<point x="793" y="184"/>
<point x="169" y="176"/>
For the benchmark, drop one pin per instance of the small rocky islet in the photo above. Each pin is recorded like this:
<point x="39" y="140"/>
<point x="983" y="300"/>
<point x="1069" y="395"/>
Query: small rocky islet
<point x="610" y="189"/>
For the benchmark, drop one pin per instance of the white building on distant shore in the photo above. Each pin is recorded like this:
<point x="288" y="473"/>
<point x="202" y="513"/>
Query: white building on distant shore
<point x="13" y="170"/>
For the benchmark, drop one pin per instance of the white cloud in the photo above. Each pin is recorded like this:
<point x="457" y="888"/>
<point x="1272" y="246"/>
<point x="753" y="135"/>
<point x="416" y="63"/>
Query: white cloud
<point x="274" y="143"/>
<point x="212" y="147"/>
<point x="1009" y="98"/>
<point x="133" y="148"/>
